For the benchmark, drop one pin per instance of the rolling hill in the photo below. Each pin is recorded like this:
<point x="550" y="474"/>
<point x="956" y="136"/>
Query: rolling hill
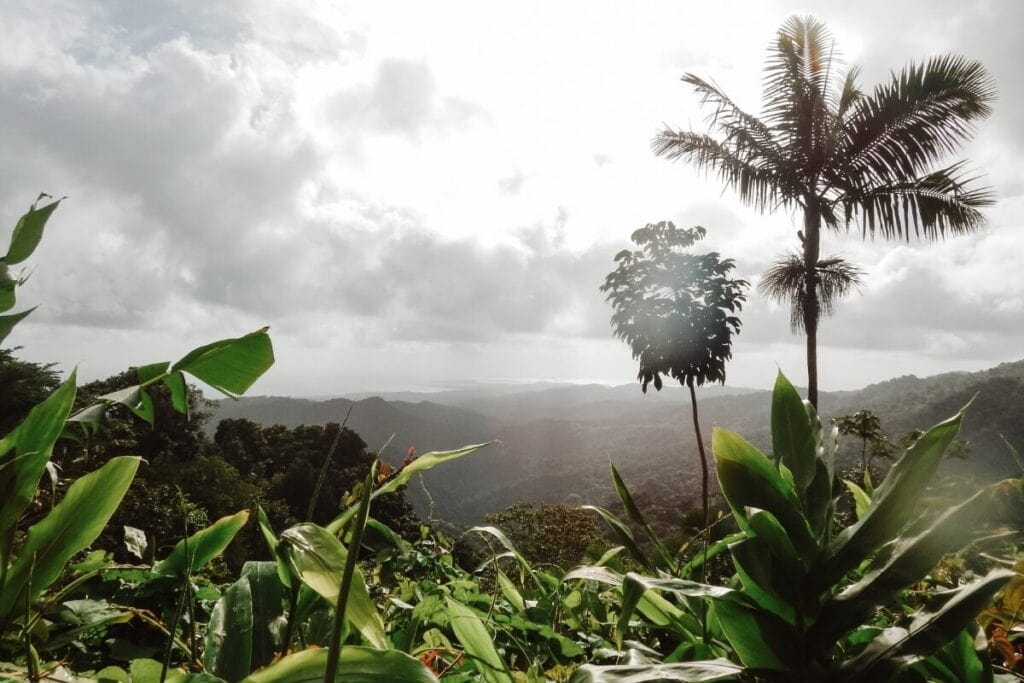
<point x="554" y="442"/>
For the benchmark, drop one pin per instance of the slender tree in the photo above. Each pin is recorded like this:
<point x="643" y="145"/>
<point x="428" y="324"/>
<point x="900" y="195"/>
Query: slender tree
<point x="837" y="154"/>
<point x="866" y="426"/>
<point x="677" y="311"/>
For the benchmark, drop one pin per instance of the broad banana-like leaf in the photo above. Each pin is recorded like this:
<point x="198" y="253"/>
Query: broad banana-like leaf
<point x="202" y="546"/>
<point x="760" y="639"/>
<point x="28" y="232"/>
<point x="268" y="607"/>
<point x="229" y="636"/>
<point x="750" y="480"/>
<point x="23" y="457"/>
<point x="74" y="523"/>
<point x="477" y="641"/>
<point x="230" y="365"/>
<point x="358" y="665"/>
<point x="320" y="560"/>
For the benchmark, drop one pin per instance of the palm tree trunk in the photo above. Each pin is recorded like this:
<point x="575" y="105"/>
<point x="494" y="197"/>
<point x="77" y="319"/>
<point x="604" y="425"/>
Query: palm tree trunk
<point x="705" y="507"/>
<point x="811" y="243"/>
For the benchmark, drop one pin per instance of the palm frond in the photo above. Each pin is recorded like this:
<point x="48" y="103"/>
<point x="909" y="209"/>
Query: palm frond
<point x="749" y="137"/>
<point x="934" y="204"/>
<point x="925" y="112"/>
<point x="786" y="281"/>
<point x="758" y="184"/>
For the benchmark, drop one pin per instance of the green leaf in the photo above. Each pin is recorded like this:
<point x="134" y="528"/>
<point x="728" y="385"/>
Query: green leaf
<point x="358" y="665"/>
<point x="29" y="447"/>
<point x="914" y="555"/>
<point x="685" y="672"/>
<point x="420" y="464"/>
<point x="929" y="631"/>
<point x="510" y="592"/>
<point x="175" y="383"/>
<point x="478" y="643"/>
<point x="112" y="674"/>
<point x="284" y="572"/>
<point x="7" y="322"/>
<point x="268" y="607"/>
<point x="148" y="374"/>
<point x="229" y="635"/>
<point x="749" y="480"/>
<point x="760" y="640"/>
<point x="894" y="502"/>
<point x="28" y="232"/>
<point x="230" y="366"/>
<point x="624" y="535"/>
<point x="861" y="500"/>
<point x="201" y="546"/>
<point x="793" y="439"/>
<point x="74" y="523"/>
<point x="635" y="587"/>
<point x="82" y="616"/>
<point x="504" y="540"/>
<point x="145" y="671"/>
<point x="320" y="560"/>
<point x="633" y="512"/>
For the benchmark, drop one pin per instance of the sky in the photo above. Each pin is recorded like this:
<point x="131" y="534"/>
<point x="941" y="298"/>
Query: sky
<point x="418" y="195"/>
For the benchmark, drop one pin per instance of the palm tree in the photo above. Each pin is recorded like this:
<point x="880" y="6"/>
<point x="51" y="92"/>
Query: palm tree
<point x="838" y="154"/>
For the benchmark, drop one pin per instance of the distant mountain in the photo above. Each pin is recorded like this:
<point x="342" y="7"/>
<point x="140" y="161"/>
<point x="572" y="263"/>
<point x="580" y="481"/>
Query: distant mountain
<point x="555" y="441"/>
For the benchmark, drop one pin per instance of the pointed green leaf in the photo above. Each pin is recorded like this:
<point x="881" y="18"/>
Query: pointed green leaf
<point x="748" y="479"/>
<point x="477" y="641"/>
<point x="913" y="556"/>
<point x="201" y="546"/>
<point x="633" y="512"/>
<point x="268" y="608"/>
<point x="760" y="640"/>
<point x="229" y="635"/>
<point x="861" y="500"/>
<point x="623" y="534"/>
<point x="793" y="439"/>
<point x="27" y="449"/>
<point x="175" y="383"/>
<point x="28" y="232"/>
<point x="230" y="365"/>
<point x="320" y="560"/>
<point x="420" y="464"/>
<point x="74" y="523"/>
<point x="930" y="630"/>
<point x="7" y="322"/>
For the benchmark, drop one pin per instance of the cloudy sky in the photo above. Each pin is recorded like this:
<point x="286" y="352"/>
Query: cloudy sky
<point x="424" y="194"/>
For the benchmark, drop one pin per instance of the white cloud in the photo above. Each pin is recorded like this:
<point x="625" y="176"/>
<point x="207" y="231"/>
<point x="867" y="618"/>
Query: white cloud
<point x="444" y="193"/>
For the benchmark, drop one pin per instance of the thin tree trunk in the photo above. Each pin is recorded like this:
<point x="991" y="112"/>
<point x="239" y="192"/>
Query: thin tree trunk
<point x="811" y="243"/>
<point x="705" y="507"/>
